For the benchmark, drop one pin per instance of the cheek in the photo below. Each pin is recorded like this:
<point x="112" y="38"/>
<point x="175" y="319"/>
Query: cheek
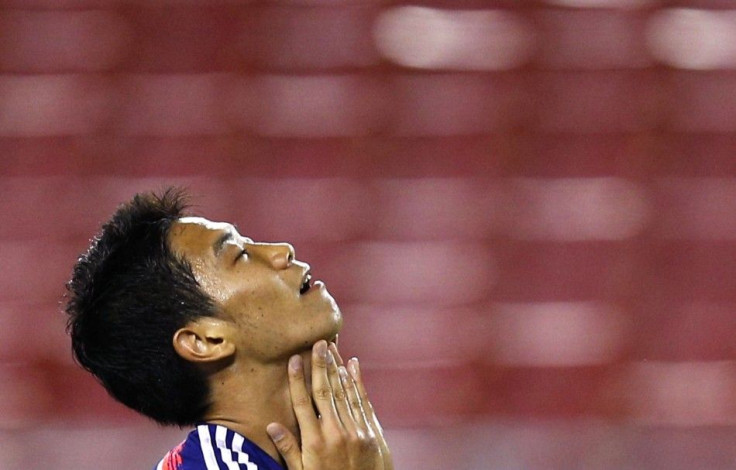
<point x="236" y="289"/>
<point x="220" y="290"/>
<point x="265" y="306"/>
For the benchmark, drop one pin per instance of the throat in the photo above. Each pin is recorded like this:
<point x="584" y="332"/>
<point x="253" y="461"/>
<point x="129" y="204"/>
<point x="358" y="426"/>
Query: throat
<point x="249" y="398"/>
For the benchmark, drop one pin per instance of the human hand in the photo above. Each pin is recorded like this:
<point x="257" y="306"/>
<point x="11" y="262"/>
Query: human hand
<point x="338" y="427"/>
<point x="359" y="402"/>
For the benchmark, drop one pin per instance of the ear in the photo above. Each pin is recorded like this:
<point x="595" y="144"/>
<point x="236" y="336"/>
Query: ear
<point x="205" y="339"/>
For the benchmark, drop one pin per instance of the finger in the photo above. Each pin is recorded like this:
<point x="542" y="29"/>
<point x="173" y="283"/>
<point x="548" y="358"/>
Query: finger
<point x="301" y="402"/>
<point x="354" y="369"/>
<point x="375" y="425"/>
<point x="341" y="399"/>
<point x="354" y="402"/>
<point x="336" y="353"/>
<point x="287" y="445"/>
<point x="372" y="419"/>
<point x="321" y="390"/>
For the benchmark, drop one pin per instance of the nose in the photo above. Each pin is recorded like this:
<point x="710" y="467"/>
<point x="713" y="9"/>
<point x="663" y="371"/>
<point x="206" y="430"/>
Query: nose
<point x="279" y="255"/>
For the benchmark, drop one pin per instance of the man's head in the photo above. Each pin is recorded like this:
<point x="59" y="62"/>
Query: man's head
<point x="160" y="295"/>
<point x="267" y="303"/>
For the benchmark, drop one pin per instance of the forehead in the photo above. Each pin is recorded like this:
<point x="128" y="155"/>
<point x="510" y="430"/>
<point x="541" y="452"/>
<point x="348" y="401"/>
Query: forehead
<point x="196" y="235"/>
<point x="202" y="224"/>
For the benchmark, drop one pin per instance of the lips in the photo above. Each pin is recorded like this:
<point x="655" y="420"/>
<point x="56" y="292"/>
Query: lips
<point x="306" y="283"/>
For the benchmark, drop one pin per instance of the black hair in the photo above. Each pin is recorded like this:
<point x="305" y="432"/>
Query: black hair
<point x="127" y="297"/>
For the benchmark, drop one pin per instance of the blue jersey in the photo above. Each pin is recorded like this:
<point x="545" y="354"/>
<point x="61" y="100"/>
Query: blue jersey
<point x="215" y="447"/>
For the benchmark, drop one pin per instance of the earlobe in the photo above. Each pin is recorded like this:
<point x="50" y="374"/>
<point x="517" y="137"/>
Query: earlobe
<point x="204" y="340"/>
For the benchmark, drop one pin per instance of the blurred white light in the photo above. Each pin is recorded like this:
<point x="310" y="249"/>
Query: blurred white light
<point x="320" y="209"/>
<point x="580" y="209"/>
<point x="429" y="38"/>
<point x="601" y="3"/>
<point x="315" y="106"/>
<point x="174" y="105"/>
<point x="436" y="208"/>
<point x="59" y="443"/>
<point x="429" y="273"/>
<point x="693" y="39"/>
<point x="683" y="393"/>
<point x="408" y="336"/>
<point x="556" y="334"/>
<point x="51" y="105"/>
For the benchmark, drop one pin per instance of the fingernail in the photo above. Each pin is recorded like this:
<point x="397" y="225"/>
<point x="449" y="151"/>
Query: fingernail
<point x="275" y="432"/>
<point x="330" y="359"/>
<point x="321" y="349"/>
<point x="295" y="363"/>
<point x="343" y="373"/>
<point x="354" y="367"/>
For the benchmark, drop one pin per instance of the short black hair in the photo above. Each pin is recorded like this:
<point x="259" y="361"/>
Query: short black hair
<point x="127" y="296"/>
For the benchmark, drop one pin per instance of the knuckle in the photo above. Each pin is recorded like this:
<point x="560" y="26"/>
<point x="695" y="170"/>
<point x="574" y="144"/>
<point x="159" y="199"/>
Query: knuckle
<point x="340" y="395"/>
<point x="301" y="401"/>
<point x="314" y="448"/>
<point x="371" y="448"/>
<point x="355" y="440"/>
<point x="317" y="445"/>
<point x="365" y="442"/>
<point x="338" y="440"/>
<point x="370" y="444"/>
<point x="287" y="446"/>
<point x="296" y="377"/>
<point x="322" y="393"/>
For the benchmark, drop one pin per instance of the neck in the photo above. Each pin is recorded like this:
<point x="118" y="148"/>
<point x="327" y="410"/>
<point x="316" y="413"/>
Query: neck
<point x="246" y="397"/>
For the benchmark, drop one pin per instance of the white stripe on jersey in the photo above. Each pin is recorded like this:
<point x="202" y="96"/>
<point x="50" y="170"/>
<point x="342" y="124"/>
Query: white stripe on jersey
<point x="205" y="442"/>
<point x="242" y="456"/>
<point x="160" y="465"/>
<point x="227" y="456"/>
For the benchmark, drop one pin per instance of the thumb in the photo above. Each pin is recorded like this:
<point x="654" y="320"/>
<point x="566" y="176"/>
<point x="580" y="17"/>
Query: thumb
<point x="286" y="444"/>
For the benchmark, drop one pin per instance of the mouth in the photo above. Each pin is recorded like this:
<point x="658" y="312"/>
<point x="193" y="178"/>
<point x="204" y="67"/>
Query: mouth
<point x="306" y="283"/>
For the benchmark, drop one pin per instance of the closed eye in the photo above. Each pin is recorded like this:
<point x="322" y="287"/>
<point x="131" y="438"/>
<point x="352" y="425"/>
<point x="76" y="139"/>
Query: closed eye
<point x="243" y="253"/>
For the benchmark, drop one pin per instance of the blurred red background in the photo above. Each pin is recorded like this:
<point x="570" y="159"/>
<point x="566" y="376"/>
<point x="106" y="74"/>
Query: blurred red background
<point x="527" y="210"/>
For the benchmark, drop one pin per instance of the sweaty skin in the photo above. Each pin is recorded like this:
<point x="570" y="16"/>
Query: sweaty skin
<point x="258" y="350"/>
<point x="257" y="288"/>
<point x="339" y="429"/>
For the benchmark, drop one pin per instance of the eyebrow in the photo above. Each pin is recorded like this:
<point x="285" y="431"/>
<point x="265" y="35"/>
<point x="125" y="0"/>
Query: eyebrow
<point x="220" y="242"/>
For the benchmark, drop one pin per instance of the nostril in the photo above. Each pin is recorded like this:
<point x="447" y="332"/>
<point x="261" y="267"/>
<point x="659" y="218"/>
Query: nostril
<point x="279" y="261"/>
<point x="282" y="259"/>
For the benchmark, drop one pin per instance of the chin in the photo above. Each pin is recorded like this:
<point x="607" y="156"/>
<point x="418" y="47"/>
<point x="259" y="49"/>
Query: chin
<point x="331" y="327"/>
<point x="331" y="335"/>
<point x="338" y="326"/>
